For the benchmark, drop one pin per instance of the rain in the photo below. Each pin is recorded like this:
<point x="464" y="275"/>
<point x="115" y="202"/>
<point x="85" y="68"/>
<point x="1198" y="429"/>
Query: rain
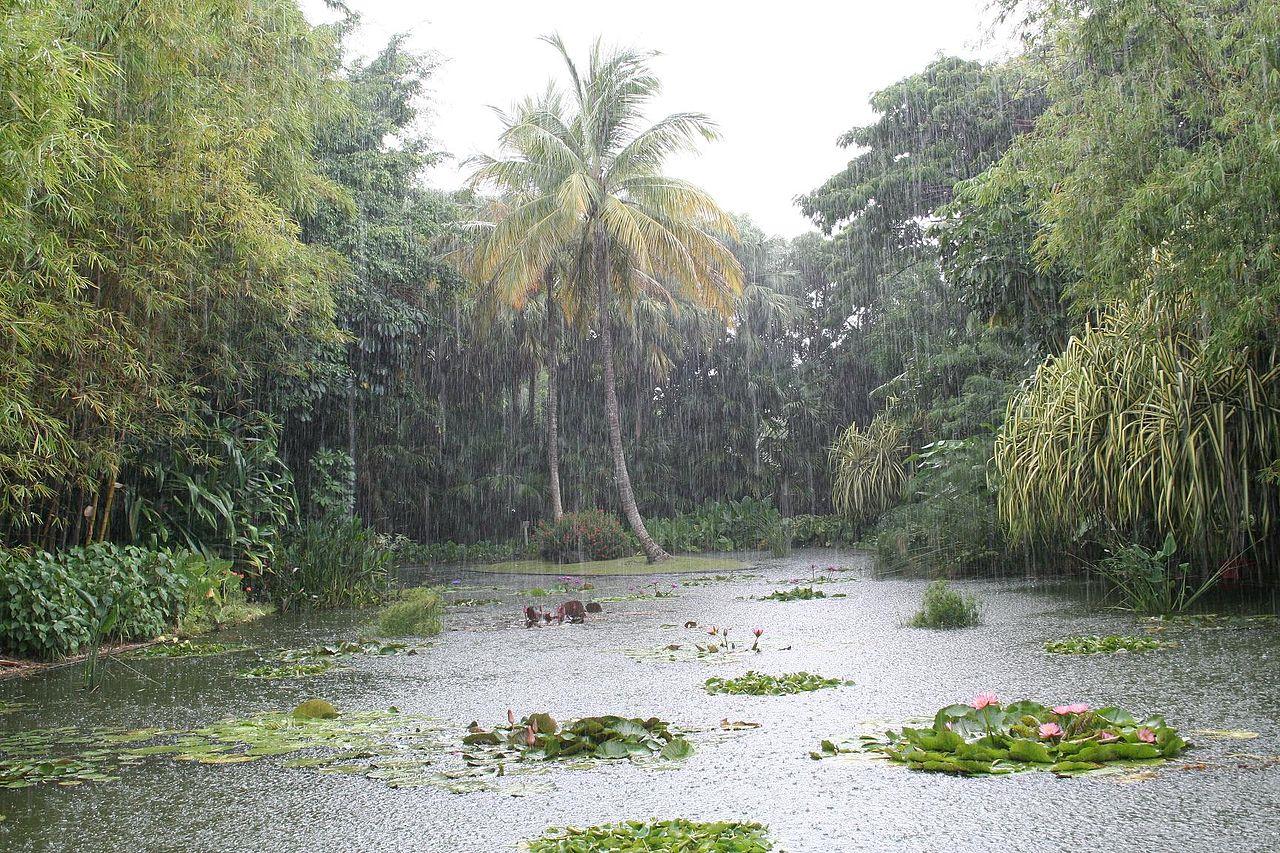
<point x="639" y="428"/>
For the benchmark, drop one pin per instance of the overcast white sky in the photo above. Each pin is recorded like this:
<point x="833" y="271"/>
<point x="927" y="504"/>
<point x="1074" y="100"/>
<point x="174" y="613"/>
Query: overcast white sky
<point x="783" y="80"/>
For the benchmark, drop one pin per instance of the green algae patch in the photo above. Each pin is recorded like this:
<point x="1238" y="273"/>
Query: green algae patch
<point x="361" y="742"/>
<point x="988" y="738"/>
<point x="666" y="835"/>
<point x="680" y="564"/>
<point x="315" y="709"/>
<point x="1095" y="644"/>
<point x="760" y="684"/>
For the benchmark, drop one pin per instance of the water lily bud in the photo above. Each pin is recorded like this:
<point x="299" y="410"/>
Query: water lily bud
<point x="511" y="717"/>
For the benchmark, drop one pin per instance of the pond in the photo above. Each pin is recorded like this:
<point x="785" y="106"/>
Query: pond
<point x="1220" y="795"/>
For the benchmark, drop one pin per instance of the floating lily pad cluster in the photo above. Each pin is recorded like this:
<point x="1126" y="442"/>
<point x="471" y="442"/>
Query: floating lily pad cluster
<point x="540" y="737"/>
<point x="1100" y="645"/>
<point x="671" y="835"/>
<point x="990" y="738"/>
<point x="295" y="669"/>
<point x="799" y="593"/>
<point x="318" y="660"/>
<point x="707" y="580"/>
<point x="760" y="684"/>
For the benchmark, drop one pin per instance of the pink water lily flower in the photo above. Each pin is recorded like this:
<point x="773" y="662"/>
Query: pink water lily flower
<point x="1107" y="737"/>
<point x="982" y="700"/>
<point x="529" y="737"/>
<point x="511" y="717"/>
<point x="1074" y="708"/>
<point x="1146" y="735"/>
<point x="1048" y="730"/>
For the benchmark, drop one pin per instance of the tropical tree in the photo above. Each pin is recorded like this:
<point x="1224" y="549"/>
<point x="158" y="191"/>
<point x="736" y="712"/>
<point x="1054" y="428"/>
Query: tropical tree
<point x="590" y="190"/>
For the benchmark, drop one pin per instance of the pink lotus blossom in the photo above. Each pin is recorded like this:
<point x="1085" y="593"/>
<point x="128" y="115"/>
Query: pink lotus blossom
<point x="757" y="632"/>
<point x="982" y="700"/>
<point x="1074" y="708"/>
<point x="1146" y="735"/>
<point x="1048" y="730"/>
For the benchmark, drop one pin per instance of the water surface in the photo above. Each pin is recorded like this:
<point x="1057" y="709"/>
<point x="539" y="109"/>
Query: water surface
<point x="1222" y="797"/>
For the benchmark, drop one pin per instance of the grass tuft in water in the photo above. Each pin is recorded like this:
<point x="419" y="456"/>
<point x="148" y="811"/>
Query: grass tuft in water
<point x="944" y="607"/>
<point x="416" y="614"/>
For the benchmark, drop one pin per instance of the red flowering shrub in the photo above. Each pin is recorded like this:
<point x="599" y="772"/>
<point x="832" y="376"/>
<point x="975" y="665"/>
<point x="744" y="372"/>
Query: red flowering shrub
<point x="583" y="536"/>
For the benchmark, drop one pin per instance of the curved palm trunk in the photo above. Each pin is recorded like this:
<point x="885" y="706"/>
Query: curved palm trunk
<point x="553" y="404"/>
<point x="652" y="549"/>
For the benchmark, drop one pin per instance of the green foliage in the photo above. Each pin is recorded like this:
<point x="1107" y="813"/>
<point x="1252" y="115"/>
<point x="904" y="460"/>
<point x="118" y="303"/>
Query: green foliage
<point x="761" y="684"/>
<point x="821" y="531"/>
<point x="1102" y="645"/>
<point x="944" y="607"/>
<point x="416" y="614"/>
<point x="1153" y="172"/>
<point x="583" y="537"/>
<point x="731" y="525"/>
<point x="868" y="468"/>
<point x="57" y="604"/>
<point x="1025" y="735"/>
<point x="668" y="835"/>
<point x="155" y="161"/>
<point x="214" y="595"/>
<point x="221" y="487"/>
<point x="330" y="563"/>
<point x="948" y="524"/>
<point x="1142" y="426"/>
<point x="453" y="553"/>
<point x="1154" y="582"/>
<point x="332" y="484"/>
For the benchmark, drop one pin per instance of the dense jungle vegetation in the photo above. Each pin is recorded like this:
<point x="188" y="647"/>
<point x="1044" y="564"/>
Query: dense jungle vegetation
<point x="1036" y="320"/>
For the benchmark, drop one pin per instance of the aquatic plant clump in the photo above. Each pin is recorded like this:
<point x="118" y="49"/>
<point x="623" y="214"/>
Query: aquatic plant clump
<point x="667" y="835"/>
<point x="944" y="607"/>
<point x="177" y="647"/>
<point x="1100" y="645"/>
<point x="799" y="593"/>
<point x="539" y="736"/>
<point x="988" y="737"/>
<point x="760" y="684"/>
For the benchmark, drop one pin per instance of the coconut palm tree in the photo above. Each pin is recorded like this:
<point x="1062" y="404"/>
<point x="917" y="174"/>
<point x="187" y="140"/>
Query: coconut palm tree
<point x="590" y="192"/>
